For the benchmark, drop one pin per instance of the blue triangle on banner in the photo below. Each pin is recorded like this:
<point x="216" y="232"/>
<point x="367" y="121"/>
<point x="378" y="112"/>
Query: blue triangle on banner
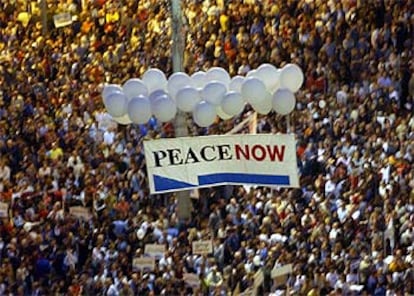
<point x="163" y="183"/>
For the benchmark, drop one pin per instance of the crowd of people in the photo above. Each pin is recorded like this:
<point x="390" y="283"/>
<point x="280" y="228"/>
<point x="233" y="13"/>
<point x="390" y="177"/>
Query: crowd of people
<point x="349" y="229"/>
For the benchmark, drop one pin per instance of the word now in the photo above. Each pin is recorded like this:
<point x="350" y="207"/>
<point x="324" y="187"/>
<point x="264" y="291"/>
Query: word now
<point x="209" y="153"/>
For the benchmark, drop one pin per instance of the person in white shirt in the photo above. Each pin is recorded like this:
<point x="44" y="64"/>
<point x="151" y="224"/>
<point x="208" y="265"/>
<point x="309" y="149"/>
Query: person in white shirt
<point x="112" y="289"/>
<point x="109" y="137"/>
<point x="45" y="170"/>
<point x="335" y="232"/>
<point x="342" y="212"/>
<point x="332" y="277"/>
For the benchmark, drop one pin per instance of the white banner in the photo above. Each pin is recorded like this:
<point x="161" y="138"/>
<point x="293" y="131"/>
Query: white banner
<point x="187" y="163"/>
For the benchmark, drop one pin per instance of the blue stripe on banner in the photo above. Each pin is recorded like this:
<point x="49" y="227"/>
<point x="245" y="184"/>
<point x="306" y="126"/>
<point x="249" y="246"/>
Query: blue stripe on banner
<point x="244" y="179"/>
<point x="163" y="183"/>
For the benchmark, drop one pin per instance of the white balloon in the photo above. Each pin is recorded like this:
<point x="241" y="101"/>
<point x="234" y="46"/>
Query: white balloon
<point x="276" y="81"/>
<point x="204" y="114"/>
<point x="139" y="110"/>
<point x="236" y="83"/>
<point x="176" y="82"/>
<point x="269" y="75"/>
<point x="134" y="87"/>
<point x="322" y="104"/>
<point x="116" y="104"/>
<point x="124" y="120"/>
<point x="154" y="79"/>
<point x="223" y="115"/>
<point x="251" y="73"/>
<point x="187" y="98"/>
<point x="263" y="105"/>
<point x="291" y="77"/>
<point x="233" y="103"/>
<point x="283" y="101"/>
<point x="155" y="94"/>
<point x="213" y="92"/>
<point x="164" y="108"/>
<point x="199" y="79"/>
<point x="109" y="89"/>
<point x="253" y="90"/>
<point x="218" y="74"/>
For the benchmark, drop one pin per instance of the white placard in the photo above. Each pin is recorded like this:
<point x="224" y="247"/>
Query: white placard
<point x="154" y="250"/>
<point x="192" y="280"/>
<point x="143" y="263"/>
<point x="203" y="247"/>
<point x="80" y="212"/>
<point x="4" y="210"/>
<point x="188" y="163"/>
<point x="281" y="271"/>
<point x="62" y="19"/>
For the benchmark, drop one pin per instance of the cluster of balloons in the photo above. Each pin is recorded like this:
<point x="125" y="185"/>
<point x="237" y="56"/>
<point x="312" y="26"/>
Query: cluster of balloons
<point x="206" y="94"/>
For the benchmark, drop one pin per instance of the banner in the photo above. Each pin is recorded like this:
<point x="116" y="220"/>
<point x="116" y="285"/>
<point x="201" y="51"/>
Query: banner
<point x="187" y="163"/>
<point x="203" y="247"/>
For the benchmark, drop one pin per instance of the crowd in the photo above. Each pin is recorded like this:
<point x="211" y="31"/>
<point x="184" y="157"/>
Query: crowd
<point x="349" y="229"/>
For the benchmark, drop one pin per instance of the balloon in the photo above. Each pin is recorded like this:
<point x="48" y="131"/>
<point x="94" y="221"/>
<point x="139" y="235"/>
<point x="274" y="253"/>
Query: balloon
<point x="176" y="82"/>
<point x="187" y="98"/>
<point x="322" y="104"/>
<point x="276" y="81"/>
<point x="139" y="110"/>
<point x="251" y="73"/>
<point x="199" y="79"/>
<point x="124" y="120"/>
<point x="164" y="108"/>
<point x="283" y="101"/>
<point x="204" y="114"/>
<point x="214" y="92"/>
<point x="269" y="75"/>
<point x="218" y="74"/>
<point x="134" y="87"/>
<point x="253" y="90"/>
<point x="291" y="77"/>
<point x="236" y="83"/>
<point x="264" y="106"/>
<point x="223" y="115"/>
<point x="155" y="94"/>
<point x="109" y="89"/>
<point x="232" y="103"/>
<point x="154" y="79"/>
<point x="116" y="104"/>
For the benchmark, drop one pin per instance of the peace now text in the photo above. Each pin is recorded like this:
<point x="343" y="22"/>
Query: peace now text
<point x="208" y="153"/>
